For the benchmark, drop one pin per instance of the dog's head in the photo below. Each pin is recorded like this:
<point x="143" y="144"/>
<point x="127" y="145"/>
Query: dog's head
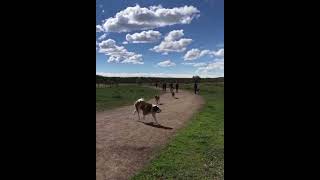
<point x="156" y="109"/>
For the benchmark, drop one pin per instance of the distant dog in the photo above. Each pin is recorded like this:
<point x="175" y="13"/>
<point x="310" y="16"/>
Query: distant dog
<point x="146" y="108"/>
<point x="157" y="98"/>
<point x="172" y="93"/>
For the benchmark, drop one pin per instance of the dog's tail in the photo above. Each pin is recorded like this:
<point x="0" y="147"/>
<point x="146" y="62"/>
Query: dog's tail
<point x="135" y="107"/>
<point x="139" y="100"/>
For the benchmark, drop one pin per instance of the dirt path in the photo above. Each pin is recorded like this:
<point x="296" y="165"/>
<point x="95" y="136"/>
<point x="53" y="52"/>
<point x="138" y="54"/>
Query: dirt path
<point x="124" y="145"/>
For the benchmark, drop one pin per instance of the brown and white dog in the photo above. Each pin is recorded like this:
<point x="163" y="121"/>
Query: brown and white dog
<point x="157" y="98"/>
<point x="146" y="108"/>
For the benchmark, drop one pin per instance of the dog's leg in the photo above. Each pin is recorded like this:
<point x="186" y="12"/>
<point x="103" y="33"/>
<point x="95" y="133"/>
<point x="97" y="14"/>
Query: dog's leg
<point x="155" y="118"/>
<point x="136" y="110"/>
<point x="139" y="115"/>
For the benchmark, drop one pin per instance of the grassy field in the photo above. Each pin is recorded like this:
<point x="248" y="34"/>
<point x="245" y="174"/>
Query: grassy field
<point x="108" y="98"/>
<point x="197" y="151"/>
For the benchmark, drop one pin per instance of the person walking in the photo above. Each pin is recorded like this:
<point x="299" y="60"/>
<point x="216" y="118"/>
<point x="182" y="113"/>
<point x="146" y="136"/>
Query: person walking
<point x="171" y="87"/>
<point x="195" y="87"/>
<point x="177" y="87"/>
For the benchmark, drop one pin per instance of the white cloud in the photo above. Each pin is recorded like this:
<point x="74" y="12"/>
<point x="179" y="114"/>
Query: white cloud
<point x="174" y="35"/>
<point x="99" y="28"/>
<point x="172" y="44"/>
<point x="119" y="54"/>
<point x="102" y="37"/>
<point x="124" y="42"/>
<point x="144" y="75"/>
<point x="192" y="54"/>
<point x="196" y="54"/>
<point x="214" y="68"/>
<point x="168" y="75"/>
<point x="144" y="37"/>
<point x="219" y="53"/>
<point x="166" y="63"/>
<point x="195" y="64"/>
<point x="144" y="18"/>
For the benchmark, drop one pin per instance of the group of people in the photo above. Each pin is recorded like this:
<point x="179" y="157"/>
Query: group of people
<point x="164" y="87"/>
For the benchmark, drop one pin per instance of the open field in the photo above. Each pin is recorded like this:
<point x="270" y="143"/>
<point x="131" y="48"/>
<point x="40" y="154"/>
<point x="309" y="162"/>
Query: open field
<point x="197" y="151"/>
<point x="124" y="144"/>
<point x="109" y="98"/>
<point x="189" y="144"/>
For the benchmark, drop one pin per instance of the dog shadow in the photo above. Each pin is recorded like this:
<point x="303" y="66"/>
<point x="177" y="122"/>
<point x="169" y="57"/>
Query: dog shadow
<point x="155" y="125"/>
<point x="176" y="98"/>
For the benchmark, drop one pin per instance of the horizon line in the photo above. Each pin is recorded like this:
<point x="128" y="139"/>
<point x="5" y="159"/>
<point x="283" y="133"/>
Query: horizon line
<point x="156" y="75"/>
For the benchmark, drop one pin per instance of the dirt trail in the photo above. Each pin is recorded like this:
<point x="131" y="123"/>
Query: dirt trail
<point x="124" y="144"/>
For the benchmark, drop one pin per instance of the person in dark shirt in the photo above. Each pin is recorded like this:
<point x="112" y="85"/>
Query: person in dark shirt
<point x="171" y="87"/>
<point x="177" y="87"/>
<point x="165" y="86"/>
<point x="195" y="88"/>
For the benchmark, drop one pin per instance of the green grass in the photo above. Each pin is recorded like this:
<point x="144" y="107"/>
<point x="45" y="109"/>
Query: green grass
<point x="197" y="151"/>
<point x="108" y="98"/>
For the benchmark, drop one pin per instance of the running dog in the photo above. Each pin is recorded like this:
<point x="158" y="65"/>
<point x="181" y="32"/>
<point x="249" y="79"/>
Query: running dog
<point x="146" y="109"/>
<point x="157" y="98"/>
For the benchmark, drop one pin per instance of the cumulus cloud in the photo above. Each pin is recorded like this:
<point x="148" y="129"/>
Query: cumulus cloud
<point x="195" y="64"/>
<point x="167" y="75"/>
<point x="172" y="75"/>
<point x="145" y="18"/>
<point x="99" y="28"/>
<point x="196" y="54"/>
<point x="174" y="35"/>
<point x="216" y="67"/>
<point x="172" y="44"/>
<point x="166" y="63"/>
<point x="102" y="37"/>
<point x="219" y="53"/>
<point x="192" y="54"/>
<point x="119" y="54"/>
<point x="144" y="37"/>
<point x="124" y="42"/>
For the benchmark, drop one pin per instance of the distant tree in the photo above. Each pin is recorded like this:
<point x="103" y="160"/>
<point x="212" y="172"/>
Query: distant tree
<point x="116" y="81"/>
<point x="196" y="78"/>
<point x="139" y="81"/>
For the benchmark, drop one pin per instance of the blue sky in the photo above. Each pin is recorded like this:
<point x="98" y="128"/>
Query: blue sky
<point x="178" y="38"/>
